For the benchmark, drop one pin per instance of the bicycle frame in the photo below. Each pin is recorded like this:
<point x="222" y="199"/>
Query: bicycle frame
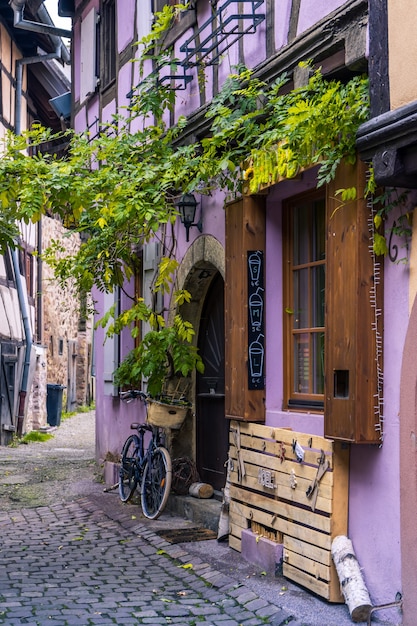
<point x="145" y="462"/>
<point x="142" y="452"/>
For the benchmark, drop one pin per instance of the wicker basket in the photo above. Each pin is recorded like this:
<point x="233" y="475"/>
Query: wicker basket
<point x="166" y="415"/>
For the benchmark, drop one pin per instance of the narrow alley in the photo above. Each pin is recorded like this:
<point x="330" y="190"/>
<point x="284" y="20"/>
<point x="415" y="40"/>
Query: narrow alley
<point x="74" y="555"/>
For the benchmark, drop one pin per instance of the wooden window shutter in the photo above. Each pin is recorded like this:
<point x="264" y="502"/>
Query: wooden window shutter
<point x="351" y="382"/>
<point x="245" y="233"/>
<point x="88" y="69"/>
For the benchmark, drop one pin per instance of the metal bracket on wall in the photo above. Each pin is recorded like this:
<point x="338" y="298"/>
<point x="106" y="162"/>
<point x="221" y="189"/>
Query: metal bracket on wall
<point x="227" y="24"/>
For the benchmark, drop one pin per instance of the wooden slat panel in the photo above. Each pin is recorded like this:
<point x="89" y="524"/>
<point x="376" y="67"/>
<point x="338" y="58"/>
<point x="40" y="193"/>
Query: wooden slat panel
<point x="319" y="587"/>
<point x="235" y="543"/>
<point x="340" y="489"/>
<point x="285" y="492"/>
<point x="304" y="475"/>
<point x="306" y="549"/>
<point x="274" y="448"/>
<point x="236" y="530"/>
<point x="240" y="518"/>
<point x="284" y="526"/>
<point x="307" y="565"/>
<point x="282" y="509"/>
<point x="285" y="435"/>
<point x="307" y="472"/>
<point x="286" y="510"/>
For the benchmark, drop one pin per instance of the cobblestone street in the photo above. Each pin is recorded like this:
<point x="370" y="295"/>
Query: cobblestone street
<point x="71" y="554"/>
<point x="74" y="555"/>
<point x="73" y="564"/>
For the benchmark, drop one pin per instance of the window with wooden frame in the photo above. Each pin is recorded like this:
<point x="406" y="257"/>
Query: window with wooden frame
<point x="10" y="278"/>
<point x="108" y="42"/>
<point x="304" y="229"/>
<point x="27" y="269"/>
<point x="333" y="309"/>
<point x="89" y="55"/>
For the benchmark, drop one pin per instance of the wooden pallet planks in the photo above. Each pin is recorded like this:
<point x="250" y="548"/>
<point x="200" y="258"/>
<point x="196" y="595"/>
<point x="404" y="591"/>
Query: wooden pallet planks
<point x="268" y="488"/>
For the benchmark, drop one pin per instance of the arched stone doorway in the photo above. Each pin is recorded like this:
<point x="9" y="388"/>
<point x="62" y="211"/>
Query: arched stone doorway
<point x="408" y="471"/>
<point x="201" y="272"/>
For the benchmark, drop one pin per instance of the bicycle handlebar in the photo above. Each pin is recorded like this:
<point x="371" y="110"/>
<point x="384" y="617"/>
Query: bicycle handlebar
<point x="132" y="394"/>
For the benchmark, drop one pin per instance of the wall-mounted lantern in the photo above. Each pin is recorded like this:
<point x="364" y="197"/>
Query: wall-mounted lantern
<point x="187" y="205"/>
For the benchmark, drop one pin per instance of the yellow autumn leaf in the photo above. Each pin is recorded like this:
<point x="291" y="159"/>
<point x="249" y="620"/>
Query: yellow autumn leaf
<point x="377" y="221"/>
<point x="380" y="245"/>
<point x="4" y="198"/>
<point x="101" y="222"/>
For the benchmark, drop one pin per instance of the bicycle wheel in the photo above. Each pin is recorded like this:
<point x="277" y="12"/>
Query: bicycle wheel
<point x="127" y="474"/>
<point x="156" y="483"/>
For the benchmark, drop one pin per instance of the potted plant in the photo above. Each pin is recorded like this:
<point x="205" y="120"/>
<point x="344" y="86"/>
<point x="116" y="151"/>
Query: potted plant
<point x="165" y="358"/>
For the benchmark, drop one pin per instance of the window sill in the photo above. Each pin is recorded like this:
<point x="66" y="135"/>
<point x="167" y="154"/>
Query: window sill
<point x="316" y="406"/>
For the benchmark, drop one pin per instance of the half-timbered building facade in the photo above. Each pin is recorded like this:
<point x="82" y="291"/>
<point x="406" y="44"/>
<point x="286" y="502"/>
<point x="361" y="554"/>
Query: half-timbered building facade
<point x="37" y="325"/>
<point x="301" y="325"/>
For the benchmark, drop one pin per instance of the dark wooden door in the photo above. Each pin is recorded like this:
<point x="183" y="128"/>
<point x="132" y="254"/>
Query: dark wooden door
<point x="8" y="363"/>
<point x="212" y="426"/>
<point x="72" y="376"/>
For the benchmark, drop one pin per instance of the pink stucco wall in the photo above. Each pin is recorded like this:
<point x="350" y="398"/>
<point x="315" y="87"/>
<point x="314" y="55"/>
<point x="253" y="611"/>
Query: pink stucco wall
<point x="374" y="519"/>
<point x="125" y="27"/>
<point x="408" y="468"/>
<point x="126" y="82"/>
<point x="113" y="416"/>
<point x="76" y="51"/>
<point x="282" y="22"/>
<point x="312" y="11"/>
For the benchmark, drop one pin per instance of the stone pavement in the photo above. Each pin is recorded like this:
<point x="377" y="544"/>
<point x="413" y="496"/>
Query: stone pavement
<point x="72" y="555"/>
<point x="92" y="562"/>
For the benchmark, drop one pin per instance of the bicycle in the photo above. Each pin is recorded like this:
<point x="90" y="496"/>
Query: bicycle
<point x="147" y="464"/>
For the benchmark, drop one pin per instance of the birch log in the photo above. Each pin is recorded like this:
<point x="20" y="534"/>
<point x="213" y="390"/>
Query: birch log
<point x="224" y="521"/>
<point x="201" y="490"/>
<point x="351" y="580"/>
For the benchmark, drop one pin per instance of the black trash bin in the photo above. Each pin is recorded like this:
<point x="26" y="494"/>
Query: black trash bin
<point x="54" y="404"/>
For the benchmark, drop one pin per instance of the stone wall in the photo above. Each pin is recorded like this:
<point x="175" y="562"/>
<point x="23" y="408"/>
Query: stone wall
<point x="66" y="338"/>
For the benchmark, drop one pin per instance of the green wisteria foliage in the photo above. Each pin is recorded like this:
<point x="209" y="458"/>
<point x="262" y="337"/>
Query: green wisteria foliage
<point x="119" y="188"/>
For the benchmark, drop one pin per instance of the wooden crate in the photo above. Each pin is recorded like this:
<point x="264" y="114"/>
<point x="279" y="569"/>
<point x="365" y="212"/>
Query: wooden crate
<point x="268" y="488"/>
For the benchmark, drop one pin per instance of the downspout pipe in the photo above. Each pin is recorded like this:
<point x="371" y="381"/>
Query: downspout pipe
<point x="46" y="27"/>
<point x="29" y="342"/>
<point x="60" y="53"/>
<point x="15" y="259"/>
<point x="19" y="82"/>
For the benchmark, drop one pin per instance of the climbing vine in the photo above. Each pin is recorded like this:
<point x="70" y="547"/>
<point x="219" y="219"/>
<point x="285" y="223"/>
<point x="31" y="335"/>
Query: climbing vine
<point x="119" y="188"/>
<point x="385" y="202"/>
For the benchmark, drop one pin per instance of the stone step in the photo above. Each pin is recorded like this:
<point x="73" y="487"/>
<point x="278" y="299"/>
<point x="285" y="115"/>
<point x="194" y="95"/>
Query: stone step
<point x="202" y="512"/>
